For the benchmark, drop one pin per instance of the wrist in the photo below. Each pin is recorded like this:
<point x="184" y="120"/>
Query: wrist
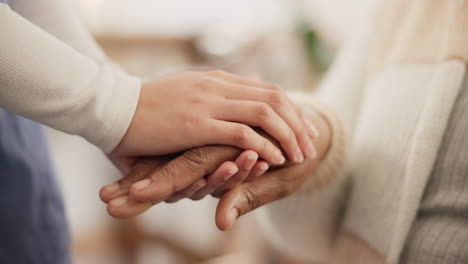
<point x="331" y="146"/>
<point x="323" y="130"/>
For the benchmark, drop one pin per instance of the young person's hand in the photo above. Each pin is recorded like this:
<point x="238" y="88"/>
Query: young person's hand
<point x="275" y="184"/>
<point x="241" y="189"/>
<point x="189" y="109"/>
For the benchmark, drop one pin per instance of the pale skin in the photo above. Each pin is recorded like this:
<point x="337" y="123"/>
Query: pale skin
<point x="176" y="177"/>
<point x="183" y="110"/>
<point x="248" y="193"/>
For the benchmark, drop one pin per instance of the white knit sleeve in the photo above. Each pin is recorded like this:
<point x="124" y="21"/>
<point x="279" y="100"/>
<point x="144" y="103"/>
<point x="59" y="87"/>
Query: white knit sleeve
<point x="60" y="19"/>
<point x="45" y="80"/>
<point x="304" y="224"/>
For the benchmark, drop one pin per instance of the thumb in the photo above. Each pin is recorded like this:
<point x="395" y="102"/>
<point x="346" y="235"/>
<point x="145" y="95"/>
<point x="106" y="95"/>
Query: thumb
<point x="245" y="198"/>
<point x="181" y="172"/>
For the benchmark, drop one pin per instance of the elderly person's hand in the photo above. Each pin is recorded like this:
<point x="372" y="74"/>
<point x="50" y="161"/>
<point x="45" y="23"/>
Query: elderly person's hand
<point x="188" y="109"/>
<point x="273" y="185"/>
<point x="126" y="199"/>
<point x="193" y="174"/>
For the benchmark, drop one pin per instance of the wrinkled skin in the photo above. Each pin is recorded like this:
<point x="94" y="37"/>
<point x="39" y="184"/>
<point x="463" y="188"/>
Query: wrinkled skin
<point x="171" y="175"/>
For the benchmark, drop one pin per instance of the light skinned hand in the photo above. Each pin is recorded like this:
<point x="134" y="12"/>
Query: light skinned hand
<point x="274" y="184"/>
<point x="227" y="176"/>
<point x="253" y="192"/>
<point x="189" y="109"/>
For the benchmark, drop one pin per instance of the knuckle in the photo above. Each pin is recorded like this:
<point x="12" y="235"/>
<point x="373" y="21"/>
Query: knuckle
<point x="252" y="199"/>
<point x="263" y="111"/>
<point x="289" y="139"/>
<point x="169" y="174"/>
<point x="197" y="100"/>
<point x="204" y="84"/>
<point x="304" y="137"/>
<point x="195" y="156"/>
<point x="285" y="188"/>
<point x="241" y="134"/>
<point x="276" y="98"/>
<point x="138" y="172"/>
<point x="192" y="121"/>
<point x="274" y="87"/>
<point x="265" y="145"/>
<point x="197" y="160"/>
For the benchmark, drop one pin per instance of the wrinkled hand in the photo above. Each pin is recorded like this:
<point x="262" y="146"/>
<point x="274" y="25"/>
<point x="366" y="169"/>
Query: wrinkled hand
<point x="195" y="163"/>
<point x="176" y="176"/>
<point x="189" y="109"/>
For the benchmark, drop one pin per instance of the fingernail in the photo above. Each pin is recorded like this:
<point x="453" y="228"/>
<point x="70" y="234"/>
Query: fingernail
<point x="312" y="150"/>
<point x="200" y="185"/>
<point x="309" y="149"/>
<point x="233" y="214"/>
<point x="251" y="160"/>
<point x="262" y="168"/>
<point x="312" y="129"/>
<point x="298" y="156"/>
<point x="119" y="202"/>
<point x="231" y="173"/>
<point x="139" y="186"/>
<point x="279" y="158"/>
<point x="112" y="188"/>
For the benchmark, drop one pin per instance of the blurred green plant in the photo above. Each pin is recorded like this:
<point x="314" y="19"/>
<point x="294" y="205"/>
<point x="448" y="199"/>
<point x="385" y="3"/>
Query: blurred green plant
<point x="319" y="54"/>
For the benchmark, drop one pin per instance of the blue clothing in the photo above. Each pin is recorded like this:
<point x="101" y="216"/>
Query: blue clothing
<point x="33" y="227"/>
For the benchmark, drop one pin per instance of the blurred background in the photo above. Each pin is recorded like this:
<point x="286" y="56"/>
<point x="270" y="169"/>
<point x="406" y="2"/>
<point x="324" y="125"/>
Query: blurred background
<point x="290" y="43"/>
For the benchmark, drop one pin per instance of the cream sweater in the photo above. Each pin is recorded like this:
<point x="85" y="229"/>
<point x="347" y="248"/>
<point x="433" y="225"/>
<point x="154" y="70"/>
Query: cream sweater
<point x="53" y="73"/>
<point x="394" y="112"/>
<point x="394" y="86"/>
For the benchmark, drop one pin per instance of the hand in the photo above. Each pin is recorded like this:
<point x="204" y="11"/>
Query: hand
<point x="170" y="176"/>
<point x="190" y="109"/>
<point x="274" y="185"/>
<point x="228" y="175"/>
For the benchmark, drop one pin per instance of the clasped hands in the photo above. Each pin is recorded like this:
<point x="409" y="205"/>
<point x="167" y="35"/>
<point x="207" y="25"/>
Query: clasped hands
<point x="243" y="179"/>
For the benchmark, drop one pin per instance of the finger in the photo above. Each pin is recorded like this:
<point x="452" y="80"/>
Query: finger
<point x="216" y="179"/>
<point x="244" y="137"/>
<point x="139" y="171"/>
<point x="314" y="133"/>
<point x="248" y="81"/>
<point x="280" y="103"/>
<point x="187" y="192"/>
<point x="245" y="162"/>
<point x="180" y="172"/>
<point x="123" y="207"/>
<point x="259" y="169"/>
<point x="305" y="112"/>
<point x="247" y="197"/>
<point x="262" y="115"/>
